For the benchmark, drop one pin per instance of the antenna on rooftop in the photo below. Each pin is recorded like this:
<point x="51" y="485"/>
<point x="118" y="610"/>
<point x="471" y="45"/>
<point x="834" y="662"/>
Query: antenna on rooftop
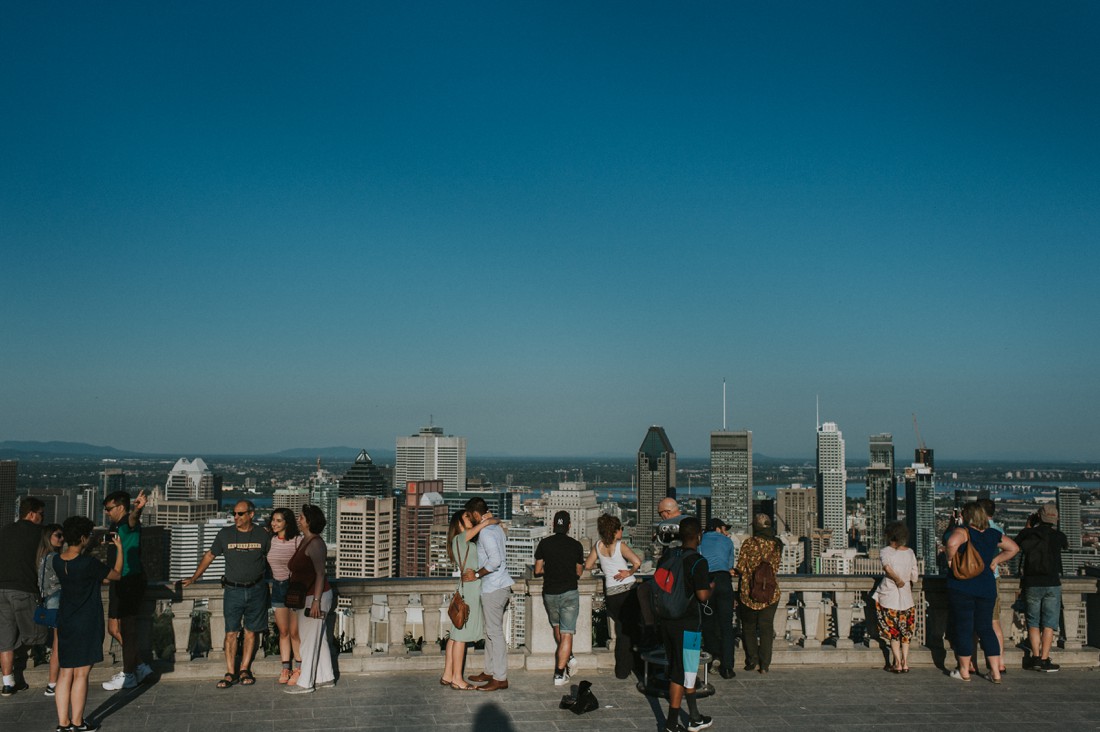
<point x="723" y="404"/>
<point x="818" y="397"/>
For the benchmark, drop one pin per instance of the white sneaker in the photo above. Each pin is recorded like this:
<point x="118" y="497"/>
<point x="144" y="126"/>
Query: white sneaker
<point x="571" y="665"/>
<point x="120" y="680"/>
<point x="142" y="672"/>
<point x="561" y="679"/>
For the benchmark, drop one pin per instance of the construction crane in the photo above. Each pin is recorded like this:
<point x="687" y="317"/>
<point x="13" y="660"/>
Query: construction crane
<point x="922" y="451"/>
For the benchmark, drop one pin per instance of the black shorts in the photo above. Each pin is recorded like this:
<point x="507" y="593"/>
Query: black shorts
<point x="125" y="596"/>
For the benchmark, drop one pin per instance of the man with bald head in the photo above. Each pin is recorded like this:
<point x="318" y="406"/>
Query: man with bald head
<point x="668" y="529"/>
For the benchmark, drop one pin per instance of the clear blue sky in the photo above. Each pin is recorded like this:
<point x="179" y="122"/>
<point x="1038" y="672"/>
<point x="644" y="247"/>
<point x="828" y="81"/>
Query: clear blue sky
<point x="244" y="227"/>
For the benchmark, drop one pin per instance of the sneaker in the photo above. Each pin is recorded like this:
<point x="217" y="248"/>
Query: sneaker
<point x="121" y="680"/>
<point x="1029" y="663"/>
<point x="8" y="689"/>
<point x="86" y="726"/>
<point x="674" y="727"/>
<point x="571" y="665"/>
<point x="1047" y="666"/>
<point x="561" y="679"/>
<point x="142" y="672"/>
<point x="50" y="688"/>
<point x="299" y="689"/>
<point x="703" y="723"/>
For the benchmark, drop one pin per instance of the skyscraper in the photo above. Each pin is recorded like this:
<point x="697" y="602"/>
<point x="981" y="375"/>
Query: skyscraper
<point x="796" y="510"/>
<point x="656" y="477"/>
<point x="431" y="456"/>
<point x="1069" y="514"/>
<point x="364" y="479"/>
<point x="423" y="509"/>
<point x="324" y="492"/>
<point x="832" y="478"/>
<point x="731" y="478"/>
<point x="583" y="510"/>
<point x="9" y="480"/>
<point x="365" y="538"/>
<point x="189" y="480"/>
<point x="920" y="509"/>
<point x="110" y="480"/>
<point x="882" y="491"/>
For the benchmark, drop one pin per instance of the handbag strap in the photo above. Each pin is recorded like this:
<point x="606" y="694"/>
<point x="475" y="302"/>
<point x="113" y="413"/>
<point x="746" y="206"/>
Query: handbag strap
<point x="462" y="569"/>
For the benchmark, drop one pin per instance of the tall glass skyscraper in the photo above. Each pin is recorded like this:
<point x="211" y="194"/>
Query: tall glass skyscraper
<point x="920" y="508"/>
<point x="731" y="478"/>
<point x="656" y="477"/>
<point x="364" y="479"/>
<point x="832" y="478"/>
<point x="882" y="491"/>
<point x="1069" y="514"/>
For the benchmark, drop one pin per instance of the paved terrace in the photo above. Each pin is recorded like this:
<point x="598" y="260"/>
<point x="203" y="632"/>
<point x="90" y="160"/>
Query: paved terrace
<point x="806" y="698"/>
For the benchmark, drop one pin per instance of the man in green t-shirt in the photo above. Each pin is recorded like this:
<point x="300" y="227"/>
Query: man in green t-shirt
<point x="126" y="594"/>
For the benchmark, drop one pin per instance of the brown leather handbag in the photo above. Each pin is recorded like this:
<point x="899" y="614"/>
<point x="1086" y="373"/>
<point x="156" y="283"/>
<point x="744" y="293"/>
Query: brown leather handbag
<point x="458" y="611"/>
<point x="967" y="564"/>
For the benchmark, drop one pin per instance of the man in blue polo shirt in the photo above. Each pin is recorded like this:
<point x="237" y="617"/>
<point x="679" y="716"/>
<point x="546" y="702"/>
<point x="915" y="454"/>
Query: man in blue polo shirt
<point x="717" y="548"/>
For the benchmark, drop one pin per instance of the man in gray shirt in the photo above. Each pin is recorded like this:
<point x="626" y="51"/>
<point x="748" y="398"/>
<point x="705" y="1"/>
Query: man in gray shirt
<point x="245" y="598"/>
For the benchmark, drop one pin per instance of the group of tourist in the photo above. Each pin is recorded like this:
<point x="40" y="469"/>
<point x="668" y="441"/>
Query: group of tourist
<point x="50" y="585"/>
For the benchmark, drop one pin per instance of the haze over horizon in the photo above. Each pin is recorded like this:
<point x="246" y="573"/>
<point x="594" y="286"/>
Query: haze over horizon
<point x="234" y="229"/>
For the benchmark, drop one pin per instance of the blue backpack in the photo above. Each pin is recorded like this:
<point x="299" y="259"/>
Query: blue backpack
<point x="671" y="597"/>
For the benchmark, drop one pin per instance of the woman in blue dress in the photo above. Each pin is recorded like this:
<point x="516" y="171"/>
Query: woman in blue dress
<point x="972" y="599"/>
<point x="80" y="625"/>
<point x="461" y="548"/>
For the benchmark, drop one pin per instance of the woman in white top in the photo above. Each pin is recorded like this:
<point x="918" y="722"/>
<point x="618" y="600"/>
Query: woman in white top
<point x="618" y="564"/>
<point x="894" y="596"/>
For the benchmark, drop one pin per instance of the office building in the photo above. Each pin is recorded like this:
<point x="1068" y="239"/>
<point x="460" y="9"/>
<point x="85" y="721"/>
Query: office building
<point x="519" y="553"/>
<point x="584" y="511"/>
<point x="656" y="468"/>
<point x="9" y="482"/>
<point x="325" y="493"/>
<point x="882" y="491"/>
<point x="291" y="498"/>
<point x="187" y="545"/>
<point x="1069" y="514"/>
<point x="920" y="509"/>
<point x="423" y="509"/>
<point x="832" y="479"/>
<point x="731" y="478"/>
<point x="190" y="480"/>
<point x="364" y="479"/>
<point x="430" y="455"/>
<point x="365" y="538"/>
<point x="110" y="481"/>
<point x="162" y="512"/>
<point x="60" y="504"/>
<point x="796" y="509"/>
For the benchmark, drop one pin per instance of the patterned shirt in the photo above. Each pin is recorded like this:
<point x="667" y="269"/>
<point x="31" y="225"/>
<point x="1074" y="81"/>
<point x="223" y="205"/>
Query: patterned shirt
<point x="755" y="550"/>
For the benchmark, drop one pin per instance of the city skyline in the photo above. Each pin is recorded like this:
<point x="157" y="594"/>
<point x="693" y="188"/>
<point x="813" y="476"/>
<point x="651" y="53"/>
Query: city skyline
<point x="234" y="231"/>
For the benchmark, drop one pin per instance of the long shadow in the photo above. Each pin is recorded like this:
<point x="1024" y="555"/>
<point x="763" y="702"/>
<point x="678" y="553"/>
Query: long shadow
<point x="119" y="700"/>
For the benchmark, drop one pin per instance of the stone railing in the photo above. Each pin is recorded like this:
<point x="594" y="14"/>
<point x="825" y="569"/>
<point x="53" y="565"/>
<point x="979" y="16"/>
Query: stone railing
<point x="828" y="620"/>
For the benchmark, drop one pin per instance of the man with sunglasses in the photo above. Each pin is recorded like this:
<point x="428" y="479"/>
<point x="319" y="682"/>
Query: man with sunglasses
<point x="245" y="548"/>
<point x="126" y="593"/>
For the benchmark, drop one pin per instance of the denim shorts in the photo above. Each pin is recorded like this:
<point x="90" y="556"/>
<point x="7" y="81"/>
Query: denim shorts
<point x="563" y="609"/>
<point x="247" y="606"/>
<point x="1044" y="606"/>
<point x="278" y="592"/>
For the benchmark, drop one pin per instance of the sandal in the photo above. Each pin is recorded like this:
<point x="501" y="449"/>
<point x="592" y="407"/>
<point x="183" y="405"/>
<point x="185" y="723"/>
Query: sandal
<point x="227" y="681"/>
<point x="467" y="687"/>
<point x="444" y="683"/>
<point x="284" y="676"/>
<point x="294" y="675"/>
<point x="247" y="679"/>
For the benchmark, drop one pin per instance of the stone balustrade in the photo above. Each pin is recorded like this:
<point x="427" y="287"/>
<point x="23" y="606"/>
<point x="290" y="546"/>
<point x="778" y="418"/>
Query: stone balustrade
<point x="829" y="620"/>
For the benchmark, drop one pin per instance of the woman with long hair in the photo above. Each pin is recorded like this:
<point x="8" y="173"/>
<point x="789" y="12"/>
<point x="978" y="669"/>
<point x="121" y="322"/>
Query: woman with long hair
<point x="308" y="566"/>
<point x="894" y="604"/>
<point x="461" y="536"/>
<point x="50" y="589"/>
<point x="618" y="563"/>
<point x="285" y="540"/>
<point x="80" y="619"/>
<point x="971" y="600"/>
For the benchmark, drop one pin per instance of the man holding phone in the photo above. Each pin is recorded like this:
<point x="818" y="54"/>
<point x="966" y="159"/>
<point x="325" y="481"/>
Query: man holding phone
<point x="126" y="593"/>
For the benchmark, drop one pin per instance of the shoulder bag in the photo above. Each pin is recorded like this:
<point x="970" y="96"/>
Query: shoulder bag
<point x="967" y="564"/>
<point x="458" y="611"/>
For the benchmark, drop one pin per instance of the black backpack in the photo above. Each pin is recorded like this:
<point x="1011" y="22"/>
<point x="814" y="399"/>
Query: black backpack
<point x="671" y="597"/>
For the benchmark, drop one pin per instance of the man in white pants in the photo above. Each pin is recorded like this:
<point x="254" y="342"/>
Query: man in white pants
<point x="496" y="592"/>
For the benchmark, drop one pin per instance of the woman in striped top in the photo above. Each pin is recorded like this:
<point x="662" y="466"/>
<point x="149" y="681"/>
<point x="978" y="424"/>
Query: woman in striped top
<point x="284" y="543"/>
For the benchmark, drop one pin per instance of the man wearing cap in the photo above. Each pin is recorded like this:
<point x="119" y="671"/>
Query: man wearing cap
<point x="560" y="558"/>
<point x="1041" y="581"/>
<point x="717" y="548"/>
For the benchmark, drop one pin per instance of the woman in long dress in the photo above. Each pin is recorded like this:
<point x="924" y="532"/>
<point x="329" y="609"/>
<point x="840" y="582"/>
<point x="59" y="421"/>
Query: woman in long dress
<point x="308" y="565"/>
<point x="461" y="548"/>
<point x="80" y="619"/>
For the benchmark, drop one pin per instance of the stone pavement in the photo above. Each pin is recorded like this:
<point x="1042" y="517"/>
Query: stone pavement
<point x="818" y="699"/>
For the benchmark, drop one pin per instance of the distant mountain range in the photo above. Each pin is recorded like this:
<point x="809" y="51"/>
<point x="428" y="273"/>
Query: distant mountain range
<point x="78" y="449"/>
<point x="30" y="448"/>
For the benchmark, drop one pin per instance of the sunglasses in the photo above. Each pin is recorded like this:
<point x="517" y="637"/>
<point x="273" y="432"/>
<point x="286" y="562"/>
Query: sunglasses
<point x="241" y="513"/>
